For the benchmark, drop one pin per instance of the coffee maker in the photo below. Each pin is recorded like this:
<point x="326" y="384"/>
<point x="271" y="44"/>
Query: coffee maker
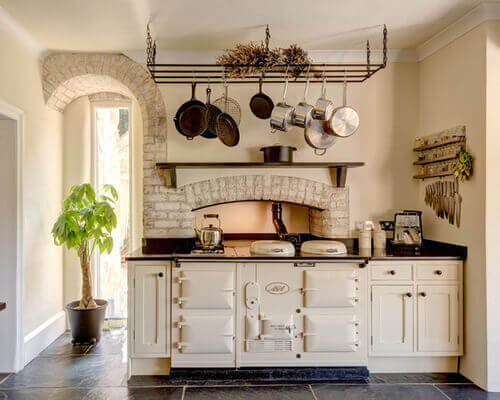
<point x="408" y="234"/>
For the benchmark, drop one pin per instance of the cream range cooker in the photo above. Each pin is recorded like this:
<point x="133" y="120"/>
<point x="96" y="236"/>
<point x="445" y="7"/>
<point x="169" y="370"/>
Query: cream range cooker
<point x="270" y="313"/>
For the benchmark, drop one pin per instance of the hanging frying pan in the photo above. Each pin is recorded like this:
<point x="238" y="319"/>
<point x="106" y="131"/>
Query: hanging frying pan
<point x="227" y="130"/>
<point x="191" y="118"/>
<point x="212" y="114"/>
<point x="261" y="104"/>
<point x="344" y="120"/>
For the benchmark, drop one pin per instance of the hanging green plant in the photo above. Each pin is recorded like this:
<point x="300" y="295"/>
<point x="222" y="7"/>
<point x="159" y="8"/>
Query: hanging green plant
<point x="463" y="166"/>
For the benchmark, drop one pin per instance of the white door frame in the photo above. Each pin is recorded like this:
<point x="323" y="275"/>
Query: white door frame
<point x="17" y="115"/>
<point x="94" y="105"/>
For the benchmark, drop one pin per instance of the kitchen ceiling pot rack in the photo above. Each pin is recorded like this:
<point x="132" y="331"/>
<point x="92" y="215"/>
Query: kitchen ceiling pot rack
<point x="169" y="170"/>
<point x="171" y="74"/>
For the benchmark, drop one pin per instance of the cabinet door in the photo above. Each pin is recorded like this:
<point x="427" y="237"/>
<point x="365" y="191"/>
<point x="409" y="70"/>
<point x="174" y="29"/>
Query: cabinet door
<point x="150" y="309"/>
<point x="392" y="319"/>
<point x="438" y="319"/>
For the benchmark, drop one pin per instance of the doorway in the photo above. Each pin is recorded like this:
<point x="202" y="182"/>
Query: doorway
<point x="111" y="165"/>
<point x="11" y="344"/>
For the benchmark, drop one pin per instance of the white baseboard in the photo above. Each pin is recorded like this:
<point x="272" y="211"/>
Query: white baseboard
<point x="38" y="339"/>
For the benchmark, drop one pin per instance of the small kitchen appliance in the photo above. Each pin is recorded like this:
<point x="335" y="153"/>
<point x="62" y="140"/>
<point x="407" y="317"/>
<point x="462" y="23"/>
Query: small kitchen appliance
<point x="210" y="236"/>
<point x="408" y="230"/>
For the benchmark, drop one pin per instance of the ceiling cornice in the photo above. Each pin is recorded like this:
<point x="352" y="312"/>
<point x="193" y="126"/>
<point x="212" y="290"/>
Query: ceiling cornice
<point x="11" y="27"/>
<point x="482" y="13"/>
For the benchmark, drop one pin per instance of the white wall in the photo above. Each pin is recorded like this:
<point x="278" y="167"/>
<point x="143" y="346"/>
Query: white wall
<point x="387" y="105"/>
<point x="492" y="186"/>
<point x="452" y="92"/>
<point x="8" y="243"/>
<point x="20" y="85"/>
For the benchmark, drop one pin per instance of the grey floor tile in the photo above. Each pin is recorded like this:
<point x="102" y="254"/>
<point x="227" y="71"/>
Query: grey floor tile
<point x="76" y="371"/>
<point x="418" y="378"/>
<point x="377" y="392"/>
<point x="91" y="394"/>
<point x="467" y="392"/>
<point x="301" y="392"/>
<point x="62" y="346"/>
<point x="112" y="342"/>
<point x="152" y="380"/>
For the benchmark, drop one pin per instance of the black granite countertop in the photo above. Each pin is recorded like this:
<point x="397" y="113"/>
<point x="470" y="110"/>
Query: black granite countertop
<point x="240" y="250"/>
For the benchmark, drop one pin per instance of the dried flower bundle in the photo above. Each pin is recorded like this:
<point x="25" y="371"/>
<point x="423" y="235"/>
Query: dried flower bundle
<point x="254" y="58"/>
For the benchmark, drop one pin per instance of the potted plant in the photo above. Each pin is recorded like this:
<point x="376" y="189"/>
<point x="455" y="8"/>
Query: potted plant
<point x="85" y="225"/>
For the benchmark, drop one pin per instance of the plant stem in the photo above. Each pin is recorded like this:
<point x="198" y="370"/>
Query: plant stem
<point x="87" y="301"/>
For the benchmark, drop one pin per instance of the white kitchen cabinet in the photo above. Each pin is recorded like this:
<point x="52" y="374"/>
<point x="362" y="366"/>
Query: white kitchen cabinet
<point x="420" y="315"/>
<point x="203" y="314"/>
<point x="149" y="310"/>
<point x="438" y="318"/>
<point x="392" y="316"/>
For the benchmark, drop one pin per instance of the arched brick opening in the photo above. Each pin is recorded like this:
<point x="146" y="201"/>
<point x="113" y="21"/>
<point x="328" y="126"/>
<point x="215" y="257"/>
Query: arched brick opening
<point x="67" y="76"/>
<point x="328" y="205"/>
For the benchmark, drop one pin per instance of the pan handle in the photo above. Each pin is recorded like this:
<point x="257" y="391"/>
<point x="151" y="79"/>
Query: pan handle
<point x="193" y="90"/>
<point x="318" y="153"/>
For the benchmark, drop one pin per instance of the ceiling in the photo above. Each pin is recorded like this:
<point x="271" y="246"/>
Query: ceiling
<point x="210" y="25"/>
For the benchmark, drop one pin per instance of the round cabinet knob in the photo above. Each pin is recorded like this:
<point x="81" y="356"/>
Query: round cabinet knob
<point x="409" y="294"/>
<point x="392" y="272"/>
<point x="438" y="272"/>
<point x="160" y="274"/>
<point x="423" y="294"/>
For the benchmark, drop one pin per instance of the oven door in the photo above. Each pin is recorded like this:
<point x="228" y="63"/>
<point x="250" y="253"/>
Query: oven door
<point x="206" y="335"/>
<point x="331" y="287"/>
<point x="330" y="333"/>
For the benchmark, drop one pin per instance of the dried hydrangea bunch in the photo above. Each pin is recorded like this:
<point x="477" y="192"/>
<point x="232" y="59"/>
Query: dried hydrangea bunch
<point x="254" y="58"/>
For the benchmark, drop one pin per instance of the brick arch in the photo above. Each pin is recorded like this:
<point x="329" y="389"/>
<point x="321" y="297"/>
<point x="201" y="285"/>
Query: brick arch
<point x="67" y="76"/>
<point x="328" y="205"/>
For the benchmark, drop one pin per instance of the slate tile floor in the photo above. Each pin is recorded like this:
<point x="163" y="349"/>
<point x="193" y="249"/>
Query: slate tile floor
<point x="67" y="372"/>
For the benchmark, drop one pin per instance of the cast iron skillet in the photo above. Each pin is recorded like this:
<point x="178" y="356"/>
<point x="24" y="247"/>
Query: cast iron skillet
<point x="261" y="104"/>
<point x="212" y="114"/>
<point x="227" y="130"/>
<point x="191" y="118"/>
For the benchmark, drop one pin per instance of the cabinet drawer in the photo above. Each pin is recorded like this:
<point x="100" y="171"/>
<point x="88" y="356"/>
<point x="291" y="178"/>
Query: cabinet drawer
<point x="391" y="272"/>
<point x="437" y="272"/>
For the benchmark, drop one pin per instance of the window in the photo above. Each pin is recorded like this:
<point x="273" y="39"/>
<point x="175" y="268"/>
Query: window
<point x="112" y="166"/>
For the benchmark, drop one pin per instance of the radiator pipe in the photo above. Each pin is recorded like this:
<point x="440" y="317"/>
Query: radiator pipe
<point x="277" y="220"/>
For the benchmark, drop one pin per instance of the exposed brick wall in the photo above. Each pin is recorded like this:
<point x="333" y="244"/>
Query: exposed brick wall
<point x="67" y="76"/>
<point x="168" y="212"/>
<point x="172" y="214"/>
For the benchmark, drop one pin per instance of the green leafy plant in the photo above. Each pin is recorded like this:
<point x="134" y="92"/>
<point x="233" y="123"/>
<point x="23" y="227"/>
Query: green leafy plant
<point x="463" y="166"/>
<point x="85" y="224"/>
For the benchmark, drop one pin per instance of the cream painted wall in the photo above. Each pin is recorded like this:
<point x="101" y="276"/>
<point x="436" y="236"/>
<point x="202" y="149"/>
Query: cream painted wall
<point x="492" y="203"/>
<point x="452" y="88"/>
<point x="20" y="85"/>
<point x="387" y="106"/>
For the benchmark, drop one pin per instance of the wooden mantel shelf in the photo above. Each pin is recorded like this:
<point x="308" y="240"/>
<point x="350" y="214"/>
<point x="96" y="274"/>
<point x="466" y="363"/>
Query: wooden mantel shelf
<point x="340" y="168"/>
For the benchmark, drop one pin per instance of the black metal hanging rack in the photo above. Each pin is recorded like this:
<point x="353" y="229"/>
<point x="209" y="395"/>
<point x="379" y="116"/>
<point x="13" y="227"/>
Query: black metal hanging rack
<point x="171" y="74"/>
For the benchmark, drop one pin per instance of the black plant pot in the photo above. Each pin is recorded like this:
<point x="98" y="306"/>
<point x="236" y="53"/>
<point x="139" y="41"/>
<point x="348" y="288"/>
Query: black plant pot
<point x="86" y="325"/>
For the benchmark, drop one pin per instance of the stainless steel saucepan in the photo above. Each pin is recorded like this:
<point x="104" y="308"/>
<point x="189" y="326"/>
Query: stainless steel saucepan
<point x="302" y="115"/>
<point x="323" y="109"/>
<point x="282" y="115"/>
<point x="344" y="120"/>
